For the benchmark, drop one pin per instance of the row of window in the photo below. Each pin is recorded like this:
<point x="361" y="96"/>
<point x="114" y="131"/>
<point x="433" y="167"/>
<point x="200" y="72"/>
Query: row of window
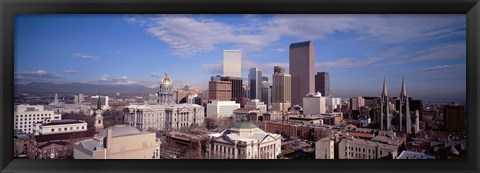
<point x="16" y="116"/>
<point x="65" y="129"/>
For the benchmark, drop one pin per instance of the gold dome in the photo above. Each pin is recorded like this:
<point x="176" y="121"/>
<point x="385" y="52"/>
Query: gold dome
<point x="166" y="80"/>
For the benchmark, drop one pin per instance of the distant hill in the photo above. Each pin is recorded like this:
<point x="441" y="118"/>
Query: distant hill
<point x="73" y="88"/>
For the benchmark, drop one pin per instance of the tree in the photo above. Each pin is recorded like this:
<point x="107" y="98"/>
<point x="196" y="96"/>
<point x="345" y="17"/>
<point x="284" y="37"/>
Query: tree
<point x="319" y="133"/>
<point x="209" y="123"/>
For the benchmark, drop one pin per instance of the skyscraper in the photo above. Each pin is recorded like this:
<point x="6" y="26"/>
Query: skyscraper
<point x="322" y="83"/>
<point x="232" y="63"/>
<point x="237" y="83"/>
<point x="255" y="83"/>
<point x="281" y="90"/>
<point x="278" y="69"/>
<point x="220" y="90"/>
<point x="302" y="65"/>
<point x="266" y="94"/>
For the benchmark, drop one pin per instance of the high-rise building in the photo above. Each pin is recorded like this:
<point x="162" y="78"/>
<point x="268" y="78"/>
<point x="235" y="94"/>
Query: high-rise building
<point x="455" y="117"/>
<point x="255" y="83"/>
<point x="237" y="83"/>
<point x="314" y="104"/>
<point x="220" y="90"/>
<point x="357" y="102"/>
<point x="278" y="69"/>
<point x="266" y="94"/>
<point x="78" y="98"/>
<point x="302" y="65"/>
<point x="281" y="90"/>
<point x="232" y="63"/>
<point x="322" y="83"/>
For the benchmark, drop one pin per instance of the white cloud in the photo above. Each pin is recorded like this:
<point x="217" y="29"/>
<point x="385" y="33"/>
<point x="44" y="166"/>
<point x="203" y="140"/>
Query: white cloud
<point x="72" y="72"/>
<point x="37" y="76"/>
<point x="155" y="75"/>
<point x="84" y="57"/>
<point x="189" y="35"/>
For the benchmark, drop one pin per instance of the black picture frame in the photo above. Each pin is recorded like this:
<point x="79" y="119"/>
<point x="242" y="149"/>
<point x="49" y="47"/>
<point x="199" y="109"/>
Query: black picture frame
<point x="9" y="8"/>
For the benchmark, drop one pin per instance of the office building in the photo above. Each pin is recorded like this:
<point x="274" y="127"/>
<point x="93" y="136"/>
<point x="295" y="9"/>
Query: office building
<point x="257" y="104"/>
<point x="220" y="90"/>
<point x="237" y="84"/>
<point x="221" y="109"/>
<point x="357" y="102"/>
<point x="334" y="104"/>
<point x="281" y="90"/>
<point x="255" y="83"/>
<point x="243" y="141"/>
<point x="26" y="116"/>
<point x="455" y="117"/>
<point x="266" y="94"/>
<point x="278" y="69"/>
<point x="322" y="83"/>
<point x="232" y="63"/>
<point x="103" y="102"/>
<point x="314" y="104"/>
<point x="119" y="142"/>
<point x="302" y="65"/>
<point x="78" y="98"/>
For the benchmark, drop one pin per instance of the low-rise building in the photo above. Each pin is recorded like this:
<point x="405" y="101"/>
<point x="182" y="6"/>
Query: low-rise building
<point x="220" y="109"/>
<point x="118" y="142"/>
<point x="355" y="148"/>
<point x="252" y="114"/>
<point x="415" y="155"/>
<point x="256" y="104"/>
<point x="55" y="146"/>
<point x="26" y="116"/>
<point x="244" y="141"/>
<point x="314" y="104"/>
<point x="324" y="149"/>
<point x="59" y="126"/>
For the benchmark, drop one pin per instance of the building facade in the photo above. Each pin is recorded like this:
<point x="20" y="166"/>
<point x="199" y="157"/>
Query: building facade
<point x="314" y="104"/>
<point x="302" y="65"/>
<point x="255" y="83"/>
<point x="257" y="104"/>
<point x="59" y="126"/>
<point x="237" y="84"/>
<point x="119" y="142"/>
<point x="219" y="109"/>
<point x="322" y="83"/>
<point x="324" y="149"/>
<point x="455" y="117"/>
<point x="232" y="63"/>
<point x="243" y="141"/>
<point x="220" y="90"/>
<point x="281" y="91"/>
<point x="26" y="116"/>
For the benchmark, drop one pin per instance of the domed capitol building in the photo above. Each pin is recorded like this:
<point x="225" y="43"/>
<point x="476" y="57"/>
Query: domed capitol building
<point x="162" y="113"/>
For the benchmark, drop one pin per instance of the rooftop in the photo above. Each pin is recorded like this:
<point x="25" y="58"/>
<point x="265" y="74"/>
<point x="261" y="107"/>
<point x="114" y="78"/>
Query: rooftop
<point x="414" y="155"/>
<point x="64" y="121"/>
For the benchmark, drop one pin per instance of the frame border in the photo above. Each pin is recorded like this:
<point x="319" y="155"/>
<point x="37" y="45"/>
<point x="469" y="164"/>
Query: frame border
<point x="8" y="9"/>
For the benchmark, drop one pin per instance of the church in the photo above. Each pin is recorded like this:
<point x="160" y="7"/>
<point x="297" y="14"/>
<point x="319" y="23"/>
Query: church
<point x="163" y="113"/>
<point x="404" y="118"/>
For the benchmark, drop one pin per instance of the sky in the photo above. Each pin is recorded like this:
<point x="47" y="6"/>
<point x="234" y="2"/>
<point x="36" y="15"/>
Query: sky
<point x="357" y="50"/>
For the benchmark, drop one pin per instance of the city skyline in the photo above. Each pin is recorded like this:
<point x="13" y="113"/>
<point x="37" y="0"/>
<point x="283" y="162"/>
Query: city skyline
<point x="356" y="50"/>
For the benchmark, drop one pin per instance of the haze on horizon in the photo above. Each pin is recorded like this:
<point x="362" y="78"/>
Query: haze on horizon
<point x="357" y="50"/>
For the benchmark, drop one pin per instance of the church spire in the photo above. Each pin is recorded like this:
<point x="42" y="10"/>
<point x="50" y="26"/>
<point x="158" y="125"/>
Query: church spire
<point x="384" y="92"/>
<point x="99" y="106"/>
<point x="404" y="88"/>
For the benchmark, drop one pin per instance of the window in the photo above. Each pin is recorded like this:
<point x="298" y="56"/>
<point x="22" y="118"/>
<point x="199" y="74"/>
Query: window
<point x="59" y="129"/>
<point x="53" y="130"/>
<point x="83" y="127"/>
<point x="65" y="129"/>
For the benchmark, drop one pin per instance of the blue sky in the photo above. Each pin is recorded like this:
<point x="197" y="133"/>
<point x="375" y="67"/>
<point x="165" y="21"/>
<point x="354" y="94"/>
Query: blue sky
<point x="357" y="50"/>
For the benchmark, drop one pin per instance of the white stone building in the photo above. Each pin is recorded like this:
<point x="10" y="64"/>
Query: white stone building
<point x="219" y="109"/>
<point x="324" y="149"/>
<point x="354" y="148"/>
<point x="59" y="126"/>
<point x="26" y="116"/>
<point x="164" y="117"/>
<point x="255" y="103"/>
<point x="314" y="104"/>
<point x="119" y="142"/>
<point x="232" y="63"/>
<point x="243" y="141"/>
